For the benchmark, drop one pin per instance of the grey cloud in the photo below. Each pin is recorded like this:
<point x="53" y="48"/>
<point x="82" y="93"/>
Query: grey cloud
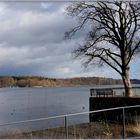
<point x="39" y="61"/>
<point x="32" y="29"/>
<point x="36" y="6"/>
<point x="31" y="41"/>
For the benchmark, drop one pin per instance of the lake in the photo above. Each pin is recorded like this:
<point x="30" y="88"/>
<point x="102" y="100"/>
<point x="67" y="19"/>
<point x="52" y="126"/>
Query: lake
<point x="17" y="104"/>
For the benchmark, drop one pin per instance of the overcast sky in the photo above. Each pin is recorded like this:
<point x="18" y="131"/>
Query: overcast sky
<point x="31" y="42"/>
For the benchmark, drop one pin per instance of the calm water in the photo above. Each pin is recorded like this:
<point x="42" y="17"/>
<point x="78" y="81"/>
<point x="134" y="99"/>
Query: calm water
<point x="30" y="103"/>
<point x="18" y="104"/>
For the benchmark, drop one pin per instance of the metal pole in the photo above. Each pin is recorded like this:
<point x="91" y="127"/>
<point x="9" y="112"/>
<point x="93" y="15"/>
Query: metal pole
<point x="66" y="127"/>
<point x="123" y="123"/>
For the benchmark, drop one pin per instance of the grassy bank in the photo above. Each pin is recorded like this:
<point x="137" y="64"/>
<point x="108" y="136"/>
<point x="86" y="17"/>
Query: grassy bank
<point x="94" y="130"/>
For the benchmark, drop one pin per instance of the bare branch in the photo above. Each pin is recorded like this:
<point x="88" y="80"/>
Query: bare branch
<point x="115" y="23"/>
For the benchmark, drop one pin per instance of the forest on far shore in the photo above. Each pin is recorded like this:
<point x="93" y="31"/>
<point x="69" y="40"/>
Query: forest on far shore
<point x="36" y="81"/>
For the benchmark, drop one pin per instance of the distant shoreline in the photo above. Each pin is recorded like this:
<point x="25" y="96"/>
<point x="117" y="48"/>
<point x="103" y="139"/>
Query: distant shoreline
<point x="39" y="82"/>
<point x="37" y="87"/>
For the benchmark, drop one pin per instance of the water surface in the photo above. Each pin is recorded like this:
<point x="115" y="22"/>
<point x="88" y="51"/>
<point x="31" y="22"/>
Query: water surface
<point x="17" y="104"/>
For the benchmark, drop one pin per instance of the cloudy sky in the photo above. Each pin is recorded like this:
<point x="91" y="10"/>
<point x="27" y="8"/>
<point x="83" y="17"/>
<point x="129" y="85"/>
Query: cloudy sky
<point x="31" y="42"/>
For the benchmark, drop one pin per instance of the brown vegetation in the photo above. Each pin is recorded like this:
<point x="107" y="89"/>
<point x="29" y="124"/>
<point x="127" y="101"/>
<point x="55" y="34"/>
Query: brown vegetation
<point x="93" y="130"/>
<point x="34" y="81"/>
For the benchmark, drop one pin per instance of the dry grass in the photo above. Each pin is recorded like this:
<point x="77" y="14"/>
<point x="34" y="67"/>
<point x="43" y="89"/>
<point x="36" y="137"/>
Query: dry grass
<point x="133" y="130"/>
<point x="94" y="130"/>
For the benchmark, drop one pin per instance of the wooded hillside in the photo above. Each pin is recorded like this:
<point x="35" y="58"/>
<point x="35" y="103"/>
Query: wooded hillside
<point x="35" y="81"/>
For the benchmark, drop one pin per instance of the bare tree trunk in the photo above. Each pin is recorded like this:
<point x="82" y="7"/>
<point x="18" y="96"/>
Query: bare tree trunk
<point x="127" y="83"/>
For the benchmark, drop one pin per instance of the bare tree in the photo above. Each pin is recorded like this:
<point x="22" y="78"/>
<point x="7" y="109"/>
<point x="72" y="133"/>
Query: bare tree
<point x="113" y="38"/>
